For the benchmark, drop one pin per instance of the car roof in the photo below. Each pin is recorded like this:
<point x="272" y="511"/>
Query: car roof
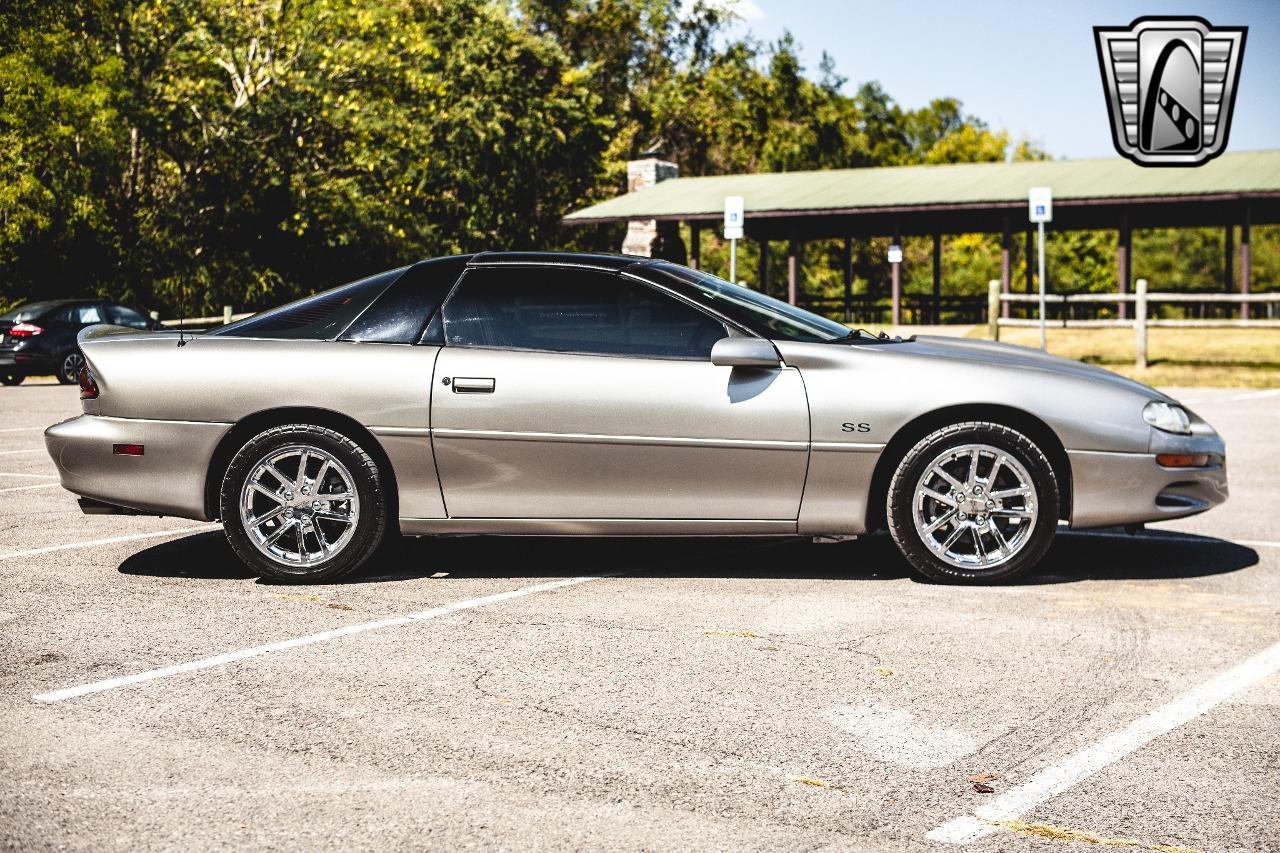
<point x="593" y="260"/>
<point x="59" y="303"/>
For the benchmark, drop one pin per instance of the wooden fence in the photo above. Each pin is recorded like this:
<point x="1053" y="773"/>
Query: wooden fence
<point x="1142" y="301"/>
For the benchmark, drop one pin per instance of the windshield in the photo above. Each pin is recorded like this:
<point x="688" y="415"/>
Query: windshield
<point x="768" y="317"/>
<point x="30" y="311"/>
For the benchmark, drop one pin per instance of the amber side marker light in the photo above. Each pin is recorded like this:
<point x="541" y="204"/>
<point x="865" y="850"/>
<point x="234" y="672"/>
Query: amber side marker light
<point x="127" y="449"/>
<point x="1182" y="460"/>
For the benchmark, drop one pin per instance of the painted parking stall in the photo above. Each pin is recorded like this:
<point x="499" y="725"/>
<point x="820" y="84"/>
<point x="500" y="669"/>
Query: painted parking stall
<point x="747" y="693"/>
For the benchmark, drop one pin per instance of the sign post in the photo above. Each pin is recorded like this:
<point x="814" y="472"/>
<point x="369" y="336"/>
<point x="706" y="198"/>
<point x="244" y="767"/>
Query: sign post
<point x="1040" y="211"/>
<point x="734" y="220"/>
<point x="895" y="288"/>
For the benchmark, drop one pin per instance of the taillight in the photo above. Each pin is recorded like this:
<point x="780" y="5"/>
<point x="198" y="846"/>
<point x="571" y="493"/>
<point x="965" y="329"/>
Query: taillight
<point x="88" y="385"/>
<point x="25" y="330"/>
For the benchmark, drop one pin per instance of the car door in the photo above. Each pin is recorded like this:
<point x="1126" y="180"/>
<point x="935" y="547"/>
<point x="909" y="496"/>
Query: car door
<point x="577" y="393"/>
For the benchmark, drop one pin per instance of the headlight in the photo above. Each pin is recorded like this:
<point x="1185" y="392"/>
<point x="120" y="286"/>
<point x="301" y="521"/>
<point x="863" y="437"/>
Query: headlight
<point x="1167" y="417"/>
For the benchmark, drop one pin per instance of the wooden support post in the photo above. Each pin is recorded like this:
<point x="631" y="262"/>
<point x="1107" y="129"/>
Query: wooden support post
<point x="1140" y="324"/>
<point x="1006" y="246"/>
<point x="793" y="268"/>
<point x="1228" y="257"/>
<point x="1124" y="268"/>
<point x="1028" y="253"/>
<point x="846" y="261"/>
<point x="695" y="245"/>
<point x="762" y="276"/>
<point x="1246" y="262"/>
<point x="994" y="288"/>
<point x="936" y="313"/>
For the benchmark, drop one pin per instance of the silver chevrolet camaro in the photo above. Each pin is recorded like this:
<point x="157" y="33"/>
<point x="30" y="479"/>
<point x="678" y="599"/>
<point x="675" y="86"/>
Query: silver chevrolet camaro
<point x="593" y="395"/>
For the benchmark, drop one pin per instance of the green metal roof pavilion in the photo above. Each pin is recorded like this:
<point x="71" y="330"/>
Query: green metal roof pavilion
<point x="1239" y="188"/>
<point x="844" y="202"/>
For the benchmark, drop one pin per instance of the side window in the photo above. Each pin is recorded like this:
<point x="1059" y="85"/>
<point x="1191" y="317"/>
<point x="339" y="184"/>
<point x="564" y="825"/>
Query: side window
<point x="320" y="317"/>
<point x="121" y="316"/>
<point x="403" y="311"/>
<point x="86" y="314"/>
<point x="573" y="310"/>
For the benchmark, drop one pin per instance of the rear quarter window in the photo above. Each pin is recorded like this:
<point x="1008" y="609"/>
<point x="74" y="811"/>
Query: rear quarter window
<point x="321" y="317"/>
<point x="403" y="311"/>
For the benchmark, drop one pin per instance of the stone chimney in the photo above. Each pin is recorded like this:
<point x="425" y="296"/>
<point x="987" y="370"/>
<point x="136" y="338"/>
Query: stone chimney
<point x="650" y="238"/>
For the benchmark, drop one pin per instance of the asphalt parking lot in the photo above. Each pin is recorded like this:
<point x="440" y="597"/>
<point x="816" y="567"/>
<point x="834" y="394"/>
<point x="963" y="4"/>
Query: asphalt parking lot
<point x="637" y="695"/>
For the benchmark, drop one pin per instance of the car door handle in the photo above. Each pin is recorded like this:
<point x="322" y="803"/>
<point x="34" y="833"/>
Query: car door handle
<point x="472" y="385"/>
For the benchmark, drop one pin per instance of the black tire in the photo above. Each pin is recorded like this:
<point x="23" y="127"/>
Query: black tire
<point x="69" y="365"/>
<point x="369" y="483"/>
<point x="11" y="378"/>
<point x="922" y="457"/>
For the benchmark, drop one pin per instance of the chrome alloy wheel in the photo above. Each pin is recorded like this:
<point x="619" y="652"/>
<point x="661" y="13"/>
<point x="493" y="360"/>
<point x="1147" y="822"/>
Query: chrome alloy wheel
<point x="975" y="506"/>
<point x="71" y="365"/>
<point x="299" y="505"/>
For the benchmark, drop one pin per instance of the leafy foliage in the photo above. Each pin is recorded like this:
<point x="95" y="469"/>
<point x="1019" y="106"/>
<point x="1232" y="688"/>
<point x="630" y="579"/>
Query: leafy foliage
<point x="245" y="151"/>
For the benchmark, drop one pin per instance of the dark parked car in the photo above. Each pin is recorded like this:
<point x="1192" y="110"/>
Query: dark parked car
<point x="39" y="338"/>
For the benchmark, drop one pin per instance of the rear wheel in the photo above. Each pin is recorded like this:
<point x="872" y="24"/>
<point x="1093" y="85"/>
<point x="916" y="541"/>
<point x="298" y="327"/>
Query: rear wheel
<point x="303" y="502"/>
<point x="69" y="367"/>
<point x="11" y="378"/>
<point x="974" y="502"/>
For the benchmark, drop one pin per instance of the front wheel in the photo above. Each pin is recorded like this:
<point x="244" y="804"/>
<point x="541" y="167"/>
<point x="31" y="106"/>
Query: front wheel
<point x="69" y="368"/>
<point x="11" y="378"/>
<point x="303" y="502"/>
<point x="974" y="502"/>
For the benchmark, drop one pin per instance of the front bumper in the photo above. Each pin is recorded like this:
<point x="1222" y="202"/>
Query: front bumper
<point x="168" y="479"/>
<point x="1110" y="489"/>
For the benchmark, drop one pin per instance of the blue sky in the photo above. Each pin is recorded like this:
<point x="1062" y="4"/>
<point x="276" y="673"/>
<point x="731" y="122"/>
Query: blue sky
<point x="1029" y="67"/>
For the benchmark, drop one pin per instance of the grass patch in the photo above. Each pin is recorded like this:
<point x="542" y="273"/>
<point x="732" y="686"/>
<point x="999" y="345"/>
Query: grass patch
<point x="1233" y="358"/>
<point x="1245" y="358"/>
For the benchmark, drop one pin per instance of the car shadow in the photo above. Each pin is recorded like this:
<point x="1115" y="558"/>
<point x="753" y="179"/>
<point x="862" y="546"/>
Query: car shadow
<point x="1102" y="555"/>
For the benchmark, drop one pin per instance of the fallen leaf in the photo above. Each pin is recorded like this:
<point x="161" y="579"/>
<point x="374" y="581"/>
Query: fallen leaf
<point x="884" y="670"/>
<point x="809" y="780"/>
<point x="983" y="788"/>
<point x="339" y="606"/>
<point x="984" y="777"/>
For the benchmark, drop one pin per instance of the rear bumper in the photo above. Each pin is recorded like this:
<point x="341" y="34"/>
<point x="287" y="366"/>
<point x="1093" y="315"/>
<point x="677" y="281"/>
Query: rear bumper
<point x="27" y="363"/>
<point x="168" y="479"/>
<point x="1131" y="488"/>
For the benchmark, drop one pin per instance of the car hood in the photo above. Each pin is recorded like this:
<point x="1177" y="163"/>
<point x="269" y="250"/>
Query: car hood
<point x="1019" y="357"/>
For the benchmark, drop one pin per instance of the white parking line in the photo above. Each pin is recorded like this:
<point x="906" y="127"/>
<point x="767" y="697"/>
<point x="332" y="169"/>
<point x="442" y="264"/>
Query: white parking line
<point x="1255" y="543"/>
<point x="1257" y="395"/>
<point x="31" y="476"/>
<point x="15" y="452"/>
<point x="23" y="429"/>
<point x="49" y="549"/>
<point x="230" y="657"/>
<point x="1076" y="768"/>
<point x="28" y="488"/>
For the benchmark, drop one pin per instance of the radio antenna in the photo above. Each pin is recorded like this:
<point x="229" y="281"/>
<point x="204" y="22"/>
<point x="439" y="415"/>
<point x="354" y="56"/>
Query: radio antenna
<point x="182" y="313"/>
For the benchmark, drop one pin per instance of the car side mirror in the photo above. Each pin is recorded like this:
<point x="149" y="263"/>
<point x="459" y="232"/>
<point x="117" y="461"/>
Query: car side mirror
<point x="744" y="352"/>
